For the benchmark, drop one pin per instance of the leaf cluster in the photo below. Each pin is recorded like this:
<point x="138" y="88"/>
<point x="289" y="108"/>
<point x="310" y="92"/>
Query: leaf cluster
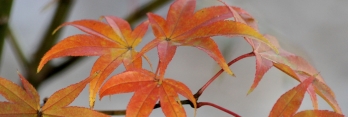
<point x="115" y="41"/>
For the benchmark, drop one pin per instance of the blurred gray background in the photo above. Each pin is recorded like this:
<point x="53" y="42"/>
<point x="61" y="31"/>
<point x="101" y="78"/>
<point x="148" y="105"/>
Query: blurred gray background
<point x="317" y="30"/>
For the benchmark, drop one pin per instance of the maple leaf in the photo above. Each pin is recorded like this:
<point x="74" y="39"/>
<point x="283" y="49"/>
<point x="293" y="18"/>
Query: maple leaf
<point x="317" y="113"/>
<point x="289" y="63"/>
<point x="300" y="69"/>
<point x="113" y="42"/>
<point x="147" y="91"/>
<point x="25" y="102"/>
<point x="184" y="27"/>
<point x="318" y="86"/>
<point x="290" y="101"/>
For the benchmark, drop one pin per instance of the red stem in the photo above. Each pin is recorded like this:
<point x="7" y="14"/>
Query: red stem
<point x="200" y="91"/>
<point x="200" y="104"/>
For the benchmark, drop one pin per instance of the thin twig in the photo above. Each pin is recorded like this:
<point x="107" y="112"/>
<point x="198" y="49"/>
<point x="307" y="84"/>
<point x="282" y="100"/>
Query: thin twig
<point x="201" y="90"/>
<point x="123" y="112"/>
<point x="183" y="102"/>
<point x="200" y="104"/>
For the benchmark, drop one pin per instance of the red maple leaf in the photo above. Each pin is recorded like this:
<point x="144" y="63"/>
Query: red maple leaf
<point x="290" y="102"/>
<point x="317" y="113"/>
<point x="184" y="27"/>
<point x="289" y="63"/>
<point x="148" y="89"/>
<point x="113" y="42"/>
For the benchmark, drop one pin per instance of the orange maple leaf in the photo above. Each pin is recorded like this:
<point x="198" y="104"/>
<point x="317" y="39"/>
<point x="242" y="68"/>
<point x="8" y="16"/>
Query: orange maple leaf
<point x="289" y="63"/>
<point x="290" y="101"/>
<point x="296" y="67"/>
<point x="184" y="27"/>
<point x="25" y="103"/>
<point x="317" y="113"/>
<point x="113" y="42"/>
<point x="147" y="91"/>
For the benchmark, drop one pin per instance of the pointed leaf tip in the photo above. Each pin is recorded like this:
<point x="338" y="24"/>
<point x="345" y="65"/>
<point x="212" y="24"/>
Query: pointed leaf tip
<point x="31" y="91"/>
<point x="38" y="70"/>
<point x="229" y="72"/>
<point x="250" y="90"/>
<point x="16" y="97"/>
<point x="55" y="30"/>
<point x="289" y="102"/>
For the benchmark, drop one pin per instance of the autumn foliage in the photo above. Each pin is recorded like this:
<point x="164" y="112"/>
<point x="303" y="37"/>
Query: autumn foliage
<point x="114" y="42"/>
